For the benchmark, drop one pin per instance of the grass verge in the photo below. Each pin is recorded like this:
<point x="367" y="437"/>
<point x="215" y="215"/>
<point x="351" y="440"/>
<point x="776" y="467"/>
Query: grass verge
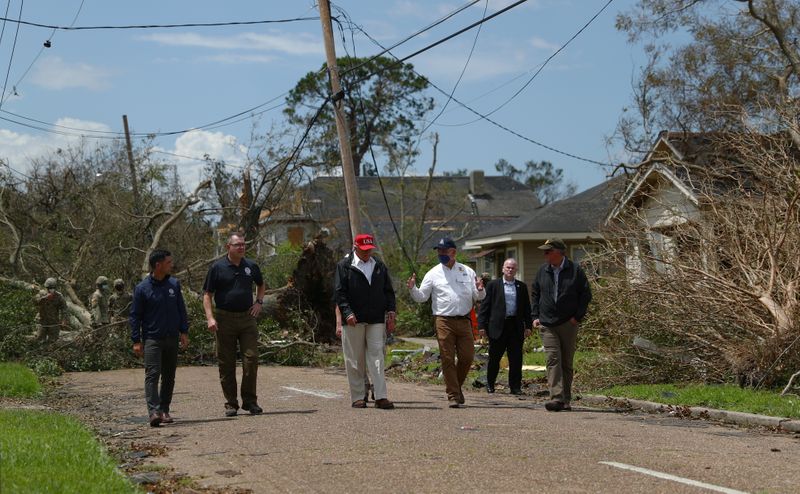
<point x="724" y="397"/>
<point x="49" y="452"/>
<point x="17" y="381"/>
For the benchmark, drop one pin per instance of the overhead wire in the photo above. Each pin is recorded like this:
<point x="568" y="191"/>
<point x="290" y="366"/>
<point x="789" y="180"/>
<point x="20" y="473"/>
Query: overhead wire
<point x="410" y="36"/>
<point x="541" y="66"/>
<point x="472" y="110"/>
<point x="157" y="26"/>
<point x="11" y="58"/>
<point x="44" y="46"/>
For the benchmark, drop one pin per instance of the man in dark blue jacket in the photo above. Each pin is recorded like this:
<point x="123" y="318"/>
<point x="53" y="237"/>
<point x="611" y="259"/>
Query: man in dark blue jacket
<point x="364" y="294"/>
<point x="560" y="296"/>
<point x="158" y="319"/>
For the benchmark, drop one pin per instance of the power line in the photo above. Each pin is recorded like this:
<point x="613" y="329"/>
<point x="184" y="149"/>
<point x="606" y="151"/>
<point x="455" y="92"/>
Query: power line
<point x="46" y="44"/>
<point x="460" y="76"/>
<point x="484" y="117"/>
<point x="407" y="38"/>
<point x="541" y="67"/>
<point x="158" y="26"/>
<point x="11" y="58"/>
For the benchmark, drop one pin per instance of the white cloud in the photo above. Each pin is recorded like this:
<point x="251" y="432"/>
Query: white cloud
<point x="291" y="44"/>
<point x="18" y="148"/>
<point x="193" y="146"/>
<point x="55" y="73"/>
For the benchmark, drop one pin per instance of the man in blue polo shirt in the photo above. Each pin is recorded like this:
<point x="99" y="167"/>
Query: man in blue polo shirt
<point x="158" y="319"/>
<point x="232" y="318"/>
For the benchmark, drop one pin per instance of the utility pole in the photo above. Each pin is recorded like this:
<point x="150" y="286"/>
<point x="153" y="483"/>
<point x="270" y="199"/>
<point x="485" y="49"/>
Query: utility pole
<point x="134" y="182"/>
<point x="350" y="186"/>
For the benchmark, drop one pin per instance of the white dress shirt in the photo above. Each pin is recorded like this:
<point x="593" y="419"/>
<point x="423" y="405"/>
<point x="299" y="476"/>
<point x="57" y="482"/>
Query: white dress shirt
<point x="365" y="267"/>
<point x="452" y="290"/>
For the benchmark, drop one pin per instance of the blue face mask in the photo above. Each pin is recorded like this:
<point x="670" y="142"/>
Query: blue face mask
<point x="444" y="258"/>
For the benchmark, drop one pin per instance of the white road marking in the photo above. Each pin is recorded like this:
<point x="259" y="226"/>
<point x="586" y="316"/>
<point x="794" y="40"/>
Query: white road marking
<point x="321" y="394"/>
<point x="674" y="478"/>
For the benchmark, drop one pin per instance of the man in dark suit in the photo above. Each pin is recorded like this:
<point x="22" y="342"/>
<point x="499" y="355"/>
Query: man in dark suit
<point x="505" y="314"/>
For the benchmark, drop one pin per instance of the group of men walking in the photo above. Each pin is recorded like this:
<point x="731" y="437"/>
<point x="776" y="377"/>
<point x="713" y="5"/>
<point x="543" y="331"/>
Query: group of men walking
<point x="365" y="299"/>
<point x="558" y="301"/>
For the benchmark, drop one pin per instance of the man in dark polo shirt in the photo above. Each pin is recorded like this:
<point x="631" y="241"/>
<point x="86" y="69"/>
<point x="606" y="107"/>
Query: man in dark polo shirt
<point x="233" y="319"/>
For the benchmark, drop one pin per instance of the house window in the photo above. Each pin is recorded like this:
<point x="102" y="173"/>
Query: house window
<point x="582" y="254"/>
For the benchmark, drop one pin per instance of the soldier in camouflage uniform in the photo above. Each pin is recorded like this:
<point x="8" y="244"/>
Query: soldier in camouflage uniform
<point x="99" y="302"/>
<point x="52" y="314"/>
<point x="119" y="303"/>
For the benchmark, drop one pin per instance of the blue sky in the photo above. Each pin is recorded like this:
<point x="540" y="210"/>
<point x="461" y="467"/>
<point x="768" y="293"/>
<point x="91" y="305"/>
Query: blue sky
<point x="175" y="79"/>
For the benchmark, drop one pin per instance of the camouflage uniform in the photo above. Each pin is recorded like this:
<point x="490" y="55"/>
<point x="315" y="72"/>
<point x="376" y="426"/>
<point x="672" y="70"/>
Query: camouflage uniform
<point x="52" y="312"/>
<point x="99" y="303"/>
<point x="119" y="303"/>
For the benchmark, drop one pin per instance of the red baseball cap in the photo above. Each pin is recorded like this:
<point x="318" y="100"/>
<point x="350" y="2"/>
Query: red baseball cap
<point x="365" y="241"/>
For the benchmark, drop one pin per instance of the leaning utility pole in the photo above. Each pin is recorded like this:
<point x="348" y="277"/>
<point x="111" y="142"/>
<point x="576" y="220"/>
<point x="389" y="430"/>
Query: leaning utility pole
<point x="348" y="172"/>
<point x="134" y="182"/>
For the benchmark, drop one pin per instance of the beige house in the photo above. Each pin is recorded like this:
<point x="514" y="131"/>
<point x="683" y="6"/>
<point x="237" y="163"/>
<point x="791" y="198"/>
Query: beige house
<point x="660" y="196"/>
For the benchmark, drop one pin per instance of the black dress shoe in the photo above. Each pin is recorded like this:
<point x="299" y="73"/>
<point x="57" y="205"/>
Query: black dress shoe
<point x="253" y="408"/>
<point x="554" y="406"/>
<point x="515" y="391"/>
<point x="490" y="388"/>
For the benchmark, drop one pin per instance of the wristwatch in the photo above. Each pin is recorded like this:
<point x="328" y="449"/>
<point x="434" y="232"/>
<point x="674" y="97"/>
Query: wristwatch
<point x="259" y="301"/>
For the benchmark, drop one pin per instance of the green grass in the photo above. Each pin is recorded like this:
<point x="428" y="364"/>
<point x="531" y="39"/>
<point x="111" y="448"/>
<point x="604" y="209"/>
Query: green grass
<point x="725" y="397"/>
<point x="18" y="381"/>
<point x="49" y="452"/>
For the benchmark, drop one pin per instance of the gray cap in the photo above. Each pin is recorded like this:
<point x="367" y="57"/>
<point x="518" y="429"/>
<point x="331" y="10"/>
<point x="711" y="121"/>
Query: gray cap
<point x="101" y="280"/>
<point x="553" y="243"/>
<point x="50" y="283"/>
<point x="119" y="283"/>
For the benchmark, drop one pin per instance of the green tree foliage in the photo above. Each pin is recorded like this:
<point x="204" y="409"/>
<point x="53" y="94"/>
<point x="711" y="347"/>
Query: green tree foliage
<point x="739" y="67"/>
<point x="384" y="103"/>
<point x="545" y="180"/>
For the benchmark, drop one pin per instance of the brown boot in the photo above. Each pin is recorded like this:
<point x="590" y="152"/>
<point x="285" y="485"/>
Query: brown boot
<point x="384" y="404"/>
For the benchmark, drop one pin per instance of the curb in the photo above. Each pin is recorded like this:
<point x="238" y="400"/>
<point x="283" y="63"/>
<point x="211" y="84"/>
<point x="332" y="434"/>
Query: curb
<point x="739" y="418"/>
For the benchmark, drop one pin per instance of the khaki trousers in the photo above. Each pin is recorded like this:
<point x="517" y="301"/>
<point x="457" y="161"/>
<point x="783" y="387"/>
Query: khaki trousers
<point x="456" y="349"/>
<point x="237" y="328"/>
<point x="363" y="347"/>
<point x="559" y="345"/>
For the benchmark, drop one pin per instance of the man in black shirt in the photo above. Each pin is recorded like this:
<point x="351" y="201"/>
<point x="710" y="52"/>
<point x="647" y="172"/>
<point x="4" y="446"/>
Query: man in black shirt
<point x="233" y="320"/>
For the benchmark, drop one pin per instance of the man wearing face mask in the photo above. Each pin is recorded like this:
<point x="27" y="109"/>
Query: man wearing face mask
<point x="453" y="289"/>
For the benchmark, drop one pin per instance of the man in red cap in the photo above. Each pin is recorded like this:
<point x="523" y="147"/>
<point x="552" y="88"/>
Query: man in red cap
<point x="364" y="294"/>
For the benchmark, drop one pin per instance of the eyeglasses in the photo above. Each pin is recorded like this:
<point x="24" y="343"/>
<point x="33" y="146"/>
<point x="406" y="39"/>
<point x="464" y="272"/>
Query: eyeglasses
<point x="238" y="246"/>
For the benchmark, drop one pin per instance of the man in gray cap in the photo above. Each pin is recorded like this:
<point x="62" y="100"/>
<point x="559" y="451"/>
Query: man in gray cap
<point x="560" y="296"/>
<point x="52" y="312"/>
<point x="453" y="289"/>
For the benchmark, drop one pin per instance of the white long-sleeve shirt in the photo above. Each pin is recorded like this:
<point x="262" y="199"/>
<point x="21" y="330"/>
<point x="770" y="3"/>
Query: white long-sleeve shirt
<point x="452" y="290"/>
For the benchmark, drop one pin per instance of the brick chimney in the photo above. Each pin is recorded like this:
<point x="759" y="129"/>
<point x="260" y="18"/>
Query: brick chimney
<point x="476" y="182"/>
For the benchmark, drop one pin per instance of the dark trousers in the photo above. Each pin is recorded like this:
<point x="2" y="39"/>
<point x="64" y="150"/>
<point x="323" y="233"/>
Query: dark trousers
<point x="237" y="328"/>
<point x="509" y="341"/>
<point x="160" y="361"/>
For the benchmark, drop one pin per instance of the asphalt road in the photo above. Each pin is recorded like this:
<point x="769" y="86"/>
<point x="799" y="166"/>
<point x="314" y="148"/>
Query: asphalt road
<point x="310" y="440"/>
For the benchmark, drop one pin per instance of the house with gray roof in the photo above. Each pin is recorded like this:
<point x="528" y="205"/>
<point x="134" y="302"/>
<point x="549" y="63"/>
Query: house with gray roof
<point x="576" y="220"/>
<point x="421" y="209"/>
